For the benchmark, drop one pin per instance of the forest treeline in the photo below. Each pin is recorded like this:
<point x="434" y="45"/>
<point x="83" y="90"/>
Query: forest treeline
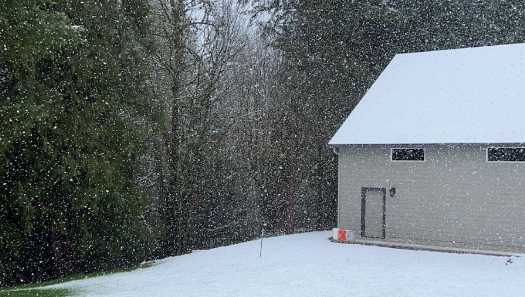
<point x="140" y="129"/>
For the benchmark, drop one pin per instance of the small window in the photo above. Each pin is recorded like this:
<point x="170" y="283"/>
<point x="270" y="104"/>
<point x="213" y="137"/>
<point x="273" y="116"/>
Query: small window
<point x="506" y="154"/>
<point x="408" y="154"/>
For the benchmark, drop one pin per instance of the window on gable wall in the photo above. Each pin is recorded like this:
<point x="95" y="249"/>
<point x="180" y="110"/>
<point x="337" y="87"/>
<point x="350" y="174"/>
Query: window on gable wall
<point x="506" y="154"/>
<point x="408" y="154"/>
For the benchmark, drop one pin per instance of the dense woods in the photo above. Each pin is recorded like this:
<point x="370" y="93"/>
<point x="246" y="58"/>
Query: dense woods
<point x="138" y="129"/>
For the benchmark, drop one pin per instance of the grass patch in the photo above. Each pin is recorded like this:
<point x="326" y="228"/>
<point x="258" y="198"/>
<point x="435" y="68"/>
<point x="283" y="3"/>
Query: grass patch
<point x="36" y="292"/>
<point x="34" y="289"/>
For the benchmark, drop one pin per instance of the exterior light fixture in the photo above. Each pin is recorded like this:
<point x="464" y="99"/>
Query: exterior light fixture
<point x="392" y="191"/>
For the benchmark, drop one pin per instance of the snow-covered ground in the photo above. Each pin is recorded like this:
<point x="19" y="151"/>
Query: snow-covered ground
<point x="310" y="265"/>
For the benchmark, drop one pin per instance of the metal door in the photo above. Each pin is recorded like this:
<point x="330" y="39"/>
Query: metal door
<point x="373" y="209"/>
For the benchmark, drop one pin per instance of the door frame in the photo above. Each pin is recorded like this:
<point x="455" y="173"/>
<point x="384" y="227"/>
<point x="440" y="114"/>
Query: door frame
<point x="364" y="190"/>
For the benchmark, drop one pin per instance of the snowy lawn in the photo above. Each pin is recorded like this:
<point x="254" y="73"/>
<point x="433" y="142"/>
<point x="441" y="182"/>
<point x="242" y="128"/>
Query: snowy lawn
<point x="310" y="265"/>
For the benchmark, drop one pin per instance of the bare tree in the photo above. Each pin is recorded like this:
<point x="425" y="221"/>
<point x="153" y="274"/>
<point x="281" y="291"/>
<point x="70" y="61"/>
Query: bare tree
<point x="196" y="40"/>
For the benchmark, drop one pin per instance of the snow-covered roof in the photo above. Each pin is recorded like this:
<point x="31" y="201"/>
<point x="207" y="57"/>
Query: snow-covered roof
<point x="471" y="95"/>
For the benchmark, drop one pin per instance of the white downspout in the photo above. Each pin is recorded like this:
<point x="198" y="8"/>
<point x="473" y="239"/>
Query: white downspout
<point x="336" y="151"/>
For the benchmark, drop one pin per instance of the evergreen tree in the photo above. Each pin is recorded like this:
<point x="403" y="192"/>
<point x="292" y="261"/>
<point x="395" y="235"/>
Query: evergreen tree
<point x="72" y="80"/>
<point x="331" y="52"/>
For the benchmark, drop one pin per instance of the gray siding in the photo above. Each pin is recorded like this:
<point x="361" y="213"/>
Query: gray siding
<point x="454" y="195"/>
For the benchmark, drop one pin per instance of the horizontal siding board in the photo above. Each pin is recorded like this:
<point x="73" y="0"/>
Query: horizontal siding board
<point x="454" y="195"/>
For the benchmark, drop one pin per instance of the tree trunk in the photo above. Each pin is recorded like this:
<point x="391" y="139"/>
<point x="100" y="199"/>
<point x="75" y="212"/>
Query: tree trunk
<point x="292" y="171"/>
<point x="175" y="212"/>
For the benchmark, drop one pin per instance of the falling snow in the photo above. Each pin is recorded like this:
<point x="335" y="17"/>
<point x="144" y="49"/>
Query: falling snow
<point x="141" y="130"/>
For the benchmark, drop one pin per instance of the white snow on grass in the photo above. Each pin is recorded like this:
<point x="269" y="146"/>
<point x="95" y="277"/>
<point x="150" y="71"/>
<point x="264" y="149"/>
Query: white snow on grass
<point x="310" y="265"/>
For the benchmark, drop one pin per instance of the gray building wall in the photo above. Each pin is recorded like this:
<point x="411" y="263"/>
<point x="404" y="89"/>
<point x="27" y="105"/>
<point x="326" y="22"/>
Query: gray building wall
<point x="455" y="195"/>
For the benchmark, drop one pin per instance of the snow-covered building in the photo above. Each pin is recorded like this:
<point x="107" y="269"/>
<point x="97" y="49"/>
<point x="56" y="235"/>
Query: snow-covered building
<point x="435" y="150"/>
